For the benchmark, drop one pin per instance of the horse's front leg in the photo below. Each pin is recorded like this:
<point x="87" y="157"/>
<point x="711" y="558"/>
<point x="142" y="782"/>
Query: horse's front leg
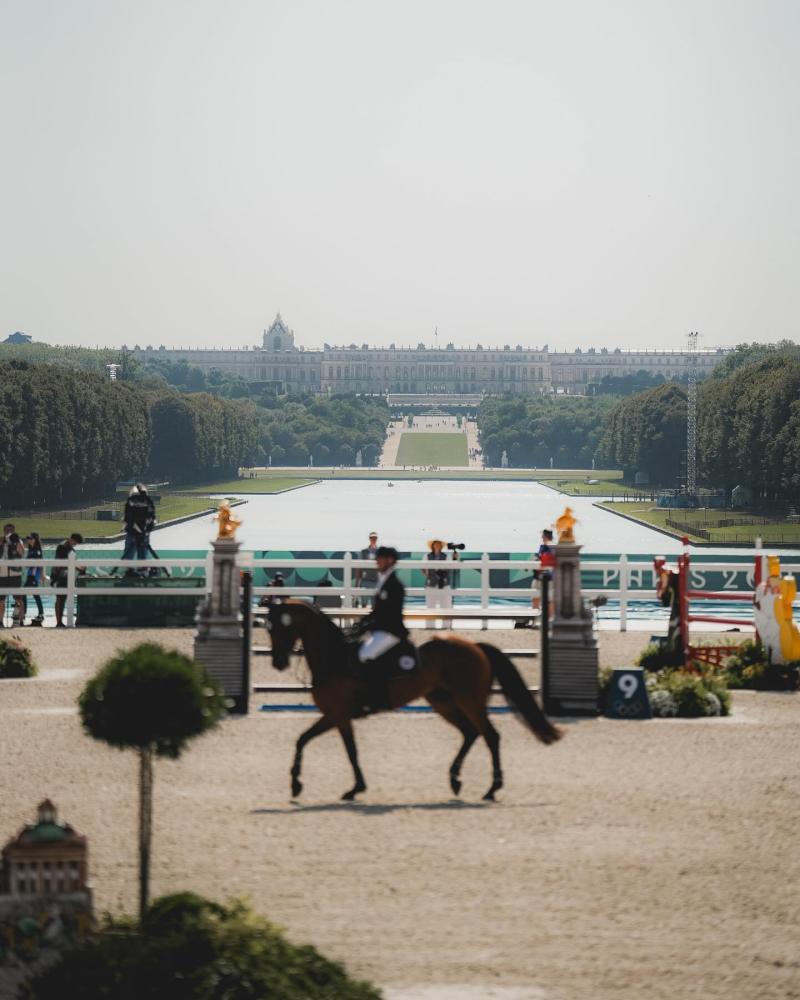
<point x="346" y="729"/>
<point x="320" y="726"/>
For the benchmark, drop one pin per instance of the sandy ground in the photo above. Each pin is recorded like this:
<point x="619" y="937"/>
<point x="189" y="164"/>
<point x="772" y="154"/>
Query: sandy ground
<point x="631" y="860"/>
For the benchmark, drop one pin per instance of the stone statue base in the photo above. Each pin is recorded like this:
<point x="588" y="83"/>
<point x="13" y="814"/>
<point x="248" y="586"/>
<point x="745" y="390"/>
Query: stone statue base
<point x="574" y="660"/>
<point x="219" y="642"/>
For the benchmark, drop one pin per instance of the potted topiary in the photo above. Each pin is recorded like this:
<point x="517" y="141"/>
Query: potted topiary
<point x="152" y="700"/>
<point x="15" y="659"/>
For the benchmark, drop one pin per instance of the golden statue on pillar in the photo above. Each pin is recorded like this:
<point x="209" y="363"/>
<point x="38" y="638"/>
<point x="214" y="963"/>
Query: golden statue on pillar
<point x="228" y="521"/>
<point x="564" y="526"/>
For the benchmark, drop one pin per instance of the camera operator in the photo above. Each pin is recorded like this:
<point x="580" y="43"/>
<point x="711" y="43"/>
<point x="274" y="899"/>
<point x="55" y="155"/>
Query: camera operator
<point x="438" y="587"/>
<point x="140" y="518"/>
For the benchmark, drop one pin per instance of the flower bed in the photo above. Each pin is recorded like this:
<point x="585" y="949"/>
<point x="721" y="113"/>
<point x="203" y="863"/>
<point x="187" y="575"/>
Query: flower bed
<point x="686" y="694"/>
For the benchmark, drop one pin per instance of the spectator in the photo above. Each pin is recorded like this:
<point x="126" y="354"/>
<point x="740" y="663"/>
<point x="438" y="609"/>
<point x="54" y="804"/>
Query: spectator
<point x="367" y="578"/>
<point x="59" y="575"/>
<point x="269" y="599"/>
<point x="11" y="548"/>
<point x="34" y="575"/>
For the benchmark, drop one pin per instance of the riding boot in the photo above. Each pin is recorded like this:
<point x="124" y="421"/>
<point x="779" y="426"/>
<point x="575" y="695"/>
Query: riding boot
<point x="376" y="691"/>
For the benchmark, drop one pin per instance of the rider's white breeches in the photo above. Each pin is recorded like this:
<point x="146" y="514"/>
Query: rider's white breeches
<point x="376" y="645"/>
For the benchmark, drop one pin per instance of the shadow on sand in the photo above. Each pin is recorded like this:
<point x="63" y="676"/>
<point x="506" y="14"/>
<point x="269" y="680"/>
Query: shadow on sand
<point x="381" y="809"/>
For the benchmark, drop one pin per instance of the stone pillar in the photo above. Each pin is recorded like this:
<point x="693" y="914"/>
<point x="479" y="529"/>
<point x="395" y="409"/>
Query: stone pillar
<point x="573" y="687"/>
<point x="219" y="642"/>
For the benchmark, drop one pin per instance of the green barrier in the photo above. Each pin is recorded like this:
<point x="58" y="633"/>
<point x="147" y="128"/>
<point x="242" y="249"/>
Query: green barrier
<point x="130" y="610"/>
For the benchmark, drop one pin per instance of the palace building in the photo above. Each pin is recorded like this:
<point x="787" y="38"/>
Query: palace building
<point x="280" y="364"/>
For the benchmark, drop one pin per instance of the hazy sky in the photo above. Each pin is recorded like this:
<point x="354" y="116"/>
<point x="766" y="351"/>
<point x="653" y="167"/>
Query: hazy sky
<point x="576" y="173"/>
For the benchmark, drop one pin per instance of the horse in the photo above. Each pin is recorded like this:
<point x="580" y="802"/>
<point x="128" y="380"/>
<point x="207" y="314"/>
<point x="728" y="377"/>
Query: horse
<point x="454" y="676"/>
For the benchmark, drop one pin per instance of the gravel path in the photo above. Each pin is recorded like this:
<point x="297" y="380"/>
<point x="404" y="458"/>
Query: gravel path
<point x="630" y="860"/>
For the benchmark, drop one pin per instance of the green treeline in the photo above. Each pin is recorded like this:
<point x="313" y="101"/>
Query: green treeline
<point x="329" y="431"/>
<point x="748" y="429"/>
<point x="67" y="436"/>
<point x="291" y="430"/>
<point x="532" y="430"/>
<point x="647" y="433"/>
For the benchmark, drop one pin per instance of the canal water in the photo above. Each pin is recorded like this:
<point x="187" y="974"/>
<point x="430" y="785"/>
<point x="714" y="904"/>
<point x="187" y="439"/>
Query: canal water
<point x="485" y="516"/>
<point x="503" y="518"/>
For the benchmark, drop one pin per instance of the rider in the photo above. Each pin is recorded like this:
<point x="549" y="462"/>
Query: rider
<point x="385" y="622"/>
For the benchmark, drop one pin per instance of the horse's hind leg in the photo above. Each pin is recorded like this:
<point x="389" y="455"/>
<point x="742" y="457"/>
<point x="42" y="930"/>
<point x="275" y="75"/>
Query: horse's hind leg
<point x="492" y="737"/>
<point x="320" y="726"/>
<point x="349" y="739"/>
<point x="480" y="719"/>
<point x="448" y="710"/>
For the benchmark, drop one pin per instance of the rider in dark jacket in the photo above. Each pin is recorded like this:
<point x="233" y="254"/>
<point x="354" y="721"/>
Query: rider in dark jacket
<point x="385" y="622"/>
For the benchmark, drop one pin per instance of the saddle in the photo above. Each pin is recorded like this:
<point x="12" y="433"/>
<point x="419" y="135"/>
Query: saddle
<point x="373" y="678"/>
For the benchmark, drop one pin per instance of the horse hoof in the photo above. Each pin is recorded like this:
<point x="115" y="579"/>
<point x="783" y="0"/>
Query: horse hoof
<point x="350" y="796"/>
<point x="297" y="787"/>
<point x="489" y="796"/>
<point x="455" y="784"/>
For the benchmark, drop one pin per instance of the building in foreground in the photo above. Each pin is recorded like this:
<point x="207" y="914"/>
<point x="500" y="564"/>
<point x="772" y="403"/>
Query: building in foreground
<point x="280" y="364"/>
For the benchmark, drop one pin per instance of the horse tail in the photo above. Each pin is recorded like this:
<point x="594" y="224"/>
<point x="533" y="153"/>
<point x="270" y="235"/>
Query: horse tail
<point x="518" y="694"/>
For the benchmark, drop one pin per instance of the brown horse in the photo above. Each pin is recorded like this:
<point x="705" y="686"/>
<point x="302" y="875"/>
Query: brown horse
<point x="454" y="676"/>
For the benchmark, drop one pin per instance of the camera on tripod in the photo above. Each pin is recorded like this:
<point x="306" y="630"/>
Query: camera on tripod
<point x="456" y="546"/>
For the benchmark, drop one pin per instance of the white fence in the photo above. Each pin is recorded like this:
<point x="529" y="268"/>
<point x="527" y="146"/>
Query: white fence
<point x="348" y="592"/>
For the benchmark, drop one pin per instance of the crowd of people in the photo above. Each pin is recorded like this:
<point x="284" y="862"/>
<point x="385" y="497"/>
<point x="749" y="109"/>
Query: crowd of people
<point x="140" y="519"/>
<point x="14" y="548"/>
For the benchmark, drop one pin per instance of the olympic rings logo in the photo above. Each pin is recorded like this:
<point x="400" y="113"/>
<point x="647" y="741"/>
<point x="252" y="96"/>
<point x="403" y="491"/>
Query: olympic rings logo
<point x="629" y="709"/>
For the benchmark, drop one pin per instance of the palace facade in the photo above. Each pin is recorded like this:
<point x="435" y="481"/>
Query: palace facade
<point x="280" y="364"/>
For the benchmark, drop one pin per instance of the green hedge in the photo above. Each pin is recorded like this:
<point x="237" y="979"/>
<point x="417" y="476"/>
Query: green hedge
<point x="16" y="659"/>
<point x="189" y="948"/>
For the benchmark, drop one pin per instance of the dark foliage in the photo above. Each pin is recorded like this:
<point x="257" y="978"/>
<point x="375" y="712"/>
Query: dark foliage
<point x="647" y="433"/>
<point x="68" y="435"/>
<point x="150" y="697"/>
<point x="191" y="949"/>
<point x="65" y="435"/>
<point x="16" y="660"/>
<point x="532" y="430"/>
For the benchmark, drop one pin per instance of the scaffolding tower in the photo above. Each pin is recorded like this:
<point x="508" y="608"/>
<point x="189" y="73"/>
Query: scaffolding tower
<point x="691" y="419"/>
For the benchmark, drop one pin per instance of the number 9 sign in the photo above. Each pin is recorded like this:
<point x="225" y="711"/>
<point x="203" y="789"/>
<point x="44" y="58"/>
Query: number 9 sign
<point x="626" y="695"/>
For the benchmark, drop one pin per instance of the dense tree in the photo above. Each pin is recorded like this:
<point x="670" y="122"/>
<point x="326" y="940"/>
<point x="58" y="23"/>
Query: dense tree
<point x="647" y="433"/>
<point x="331" y="430"/>
<point x="66" y="435"/>
<point x="625" y="385"/>
<point x="747" y="354"/>
<point x="532" y="430"/>
<point x="749" y="428"/>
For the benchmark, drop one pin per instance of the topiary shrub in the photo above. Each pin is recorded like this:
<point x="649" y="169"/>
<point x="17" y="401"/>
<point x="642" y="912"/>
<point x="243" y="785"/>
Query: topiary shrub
<point x="692" y="695"/>
<point x="187" y="948"/>
<point x="153" y="700"/>
<point x="16" y="659"/>
<point x="659" y="655"/>
<point x="748" y="667"/>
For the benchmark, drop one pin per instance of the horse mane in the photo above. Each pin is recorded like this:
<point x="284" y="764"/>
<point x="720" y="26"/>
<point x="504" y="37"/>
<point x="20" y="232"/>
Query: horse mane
<point x="319" y="614"/>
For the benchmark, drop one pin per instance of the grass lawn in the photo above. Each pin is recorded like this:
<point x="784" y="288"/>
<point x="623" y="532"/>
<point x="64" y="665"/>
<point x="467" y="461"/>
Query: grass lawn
<point x="610" y="485"/>
<point x="775" y="532"/>
<point x="266" y="483"/>
<point x="433" y="449"/>
<point x="56" y="529"/>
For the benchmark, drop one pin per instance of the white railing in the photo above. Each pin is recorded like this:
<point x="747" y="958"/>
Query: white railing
<point x="630" y="575"/>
